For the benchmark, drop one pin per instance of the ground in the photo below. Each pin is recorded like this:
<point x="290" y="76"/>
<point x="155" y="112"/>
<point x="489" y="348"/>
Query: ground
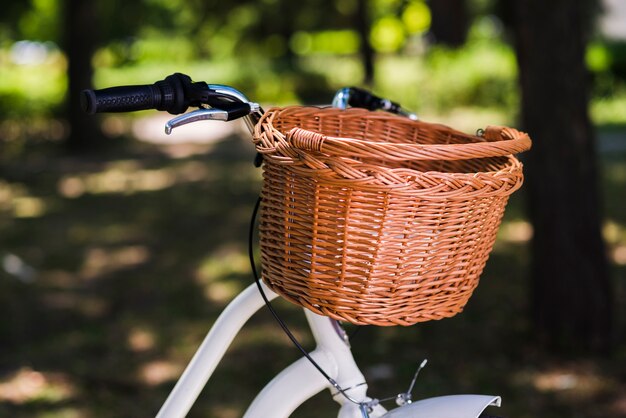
<point x="114" y="267"/>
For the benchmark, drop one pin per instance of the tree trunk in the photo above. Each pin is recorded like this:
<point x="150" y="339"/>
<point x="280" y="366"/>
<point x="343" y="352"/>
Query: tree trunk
<point x="450" y="22"/>
<point x="363" y="27"/>
<point x="570" y="289"/>
<point x="79" y="43"/>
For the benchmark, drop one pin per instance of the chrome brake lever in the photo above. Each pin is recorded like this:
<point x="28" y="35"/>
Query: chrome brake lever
<point x="195" y="116"/>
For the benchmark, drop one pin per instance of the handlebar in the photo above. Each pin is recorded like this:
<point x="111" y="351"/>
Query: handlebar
<point x="177" y="92"/>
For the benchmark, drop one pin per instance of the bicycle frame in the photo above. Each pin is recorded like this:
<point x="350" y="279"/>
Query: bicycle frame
<point x="292" y="386"/>
<point x="300" y="381"/>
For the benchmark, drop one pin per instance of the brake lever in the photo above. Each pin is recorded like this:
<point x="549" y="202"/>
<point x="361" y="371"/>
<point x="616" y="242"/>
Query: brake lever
<point x="195" y="116"/>
<point x="250" y="111"/>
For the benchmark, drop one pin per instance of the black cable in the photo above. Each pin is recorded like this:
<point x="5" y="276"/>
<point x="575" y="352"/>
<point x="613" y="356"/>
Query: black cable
<point x="275" y="314"/>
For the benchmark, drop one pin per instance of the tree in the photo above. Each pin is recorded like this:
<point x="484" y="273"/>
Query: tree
<point x="450" y="22"/>
<point x="79" y="43"/>
<point x="363" y="27"/>
<point x="570" y="288"/>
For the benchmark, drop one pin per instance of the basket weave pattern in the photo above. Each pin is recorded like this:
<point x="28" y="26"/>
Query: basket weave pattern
<point x="374" y="219"/>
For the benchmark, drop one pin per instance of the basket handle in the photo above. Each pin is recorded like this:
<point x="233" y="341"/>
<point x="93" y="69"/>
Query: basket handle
<point x="496" y="141"/>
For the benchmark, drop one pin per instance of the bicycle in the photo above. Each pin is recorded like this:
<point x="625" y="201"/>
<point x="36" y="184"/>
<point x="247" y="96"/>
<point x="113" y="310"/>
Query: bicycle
<point x="331" y="365"/>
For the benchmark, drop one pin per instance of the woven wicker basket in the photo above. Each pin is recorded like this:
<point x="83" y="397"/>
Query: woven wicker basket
<point x="375" y="219"/>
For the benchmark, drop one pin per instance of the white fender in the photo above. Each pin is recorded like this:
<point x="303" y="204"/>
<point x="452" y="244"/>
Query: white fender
<point x="454" y="406"/>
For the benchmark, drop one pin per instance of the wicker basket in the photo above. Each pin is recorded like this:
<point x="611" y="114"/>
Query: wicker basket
<point x="375" y="219"/>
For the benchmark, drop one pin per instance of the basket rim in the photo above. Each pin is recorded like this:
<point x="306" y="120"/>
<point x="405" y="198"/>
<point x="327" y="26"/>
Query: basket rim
<point x="496" y="141"/>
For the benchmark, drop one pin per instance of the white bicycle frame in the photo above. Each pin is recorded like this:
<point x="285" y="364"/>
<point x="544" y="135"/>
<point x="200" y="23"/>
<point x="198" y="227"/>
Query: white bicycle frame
<point x="301" y="380"/>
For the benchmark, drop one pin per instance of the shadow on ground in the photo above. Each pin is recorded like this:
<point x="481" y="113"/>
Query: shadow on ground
<point x="114" y="268"/>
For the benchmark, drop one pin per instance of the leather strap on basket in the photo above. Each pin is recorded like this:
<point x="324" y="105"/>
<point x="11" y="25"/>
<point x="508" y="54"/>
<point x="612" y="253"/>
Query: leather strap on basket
<point x="496" y="141"/>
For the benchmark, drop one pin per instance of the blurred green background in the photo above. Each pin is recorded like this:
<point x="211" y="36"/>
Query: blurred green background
<point x="117" y="255"/>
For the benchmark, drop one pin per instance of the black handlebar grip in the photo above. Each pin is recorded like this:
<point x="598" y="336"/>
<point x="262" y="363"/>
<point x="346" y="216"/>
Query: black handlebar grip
<point x="174" y="94"/>
<point x="121" y="99"/>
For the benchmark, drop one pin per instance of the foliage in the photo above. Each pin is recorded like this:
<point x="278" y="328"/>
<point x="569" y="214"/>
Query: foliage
<point x="482" y="74"/>
<point x="304" y="58"/>
<point x="32" y="87"/>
